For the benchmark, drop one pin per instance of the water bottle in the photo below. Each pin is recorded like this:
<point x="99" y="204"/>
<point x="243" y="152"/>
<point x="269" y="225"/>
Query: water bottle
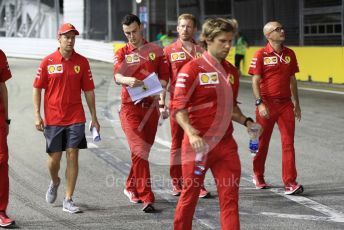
<point x="254" y="138"/>
<point x="200" y="160"/>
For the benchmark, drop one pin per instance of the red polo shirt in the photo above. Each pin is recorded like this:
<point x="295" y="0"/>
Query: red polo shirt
<point x="63" y="81"/>
<point x="139" y="63"/>
<point x="275" y="70"/>
<point x="5" y="74"/>
<point x="177" y="56"/>
<point x="208" y="90"/>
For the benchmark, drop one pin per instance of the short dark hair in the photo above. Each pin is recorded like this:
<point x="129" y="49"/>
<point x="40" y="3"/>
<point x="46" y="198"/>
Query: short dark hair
<point x="130" y="18"/>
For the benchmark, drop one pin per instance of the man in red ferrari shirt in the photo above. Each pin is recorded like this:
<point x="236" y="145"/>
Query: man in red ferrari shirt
<point x="205" y="102"/>
<point x="178" y="54"/>
<point x="62" y="75"/>
<point x="273" y="68"/>
<point x="5" y="74"/>
<point x="139" y="120"/>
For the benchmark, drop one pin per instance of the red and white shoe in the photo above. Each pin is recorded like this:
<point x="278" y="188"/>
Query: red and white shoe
<point x="203" y="193"/>
<point x="132" y="196"/>
<point x="259" y="182"/>
<point x="5" y="221"/>
<point x="293" y="189"/>
<point x="176" y="190"/>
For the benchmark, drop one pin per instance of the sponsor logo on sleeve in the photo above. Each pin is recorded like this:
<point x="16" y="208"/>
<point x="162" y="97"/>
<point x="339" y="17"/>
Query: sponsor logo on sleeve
<point x="53" y="69"/>
<point x="208" y="78"/>
<point x="231" y="79"/>
<point x="178" y="56"/>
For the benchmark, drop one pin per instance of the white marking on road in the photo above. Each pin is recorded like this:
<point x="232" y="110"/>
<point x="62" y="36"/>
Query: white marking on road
<point x="299" y="217"/>
<point x="332" y="214"/>
<point x="92" y="145"/>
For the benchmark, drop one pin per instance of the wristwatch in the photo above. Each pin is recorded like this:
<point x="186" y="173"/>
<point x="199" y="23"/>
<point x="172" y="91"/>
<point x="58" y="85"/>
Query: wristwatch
<point x="8" y="121"/>
<point x="258" y="101"/>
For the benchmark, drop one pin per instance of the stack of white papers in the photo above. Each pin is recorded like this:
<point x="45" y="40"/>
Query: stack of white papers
<point x="151" y="86"/>
<point x="94" y="132"/>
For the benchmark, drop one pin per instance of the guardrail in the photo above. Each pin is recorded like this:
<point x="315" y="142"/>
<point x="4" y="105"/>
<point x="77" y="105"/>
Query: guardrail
<point x="39" y="48"/>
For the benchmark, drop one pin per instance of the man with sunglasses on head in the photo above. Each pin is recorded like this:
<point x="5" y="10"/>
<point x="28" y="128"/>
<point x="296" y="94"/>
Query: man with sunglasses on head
<point x="275" y="89"/>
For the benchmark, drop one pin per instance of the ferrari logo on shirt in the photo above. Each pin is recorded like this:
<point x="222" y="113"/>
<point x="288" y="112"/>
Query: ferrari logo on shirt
<point x="178" y="56"/>
<point x="287" y="59"/>
<point x="231" y="79"/>
<point x="198" y="54"/>
<point x="151" y="56"/>
<point x="55" y="69"/>
<point x="77" y="69"/>
<point x="132" y="58"/>
<point x="208" y="78"/>
<point x="270" y="60"/>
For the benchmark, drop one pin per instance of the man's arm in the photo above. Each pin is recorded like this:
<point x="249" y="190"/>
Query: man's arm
<point x="197" y="143"/>
<point x="4" y="96"/>
<point x="263" y="110"/>
<point x="128" y="81"/>
<point x="91" y="103"/>
<point x="295" y="94"/>
<point x="36" y="96"/>
<point x="240" y="118"/>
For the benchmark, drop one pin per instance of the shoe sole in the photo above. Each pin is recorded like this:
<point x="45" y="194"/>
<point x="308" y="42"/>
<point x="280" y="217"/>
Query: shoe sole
<point x="208" y="195"/>
<point x="299" y="190"/>
<point x="130" y="200"/>
<point x="66" y="210"/>
<point x="175" y="193"/>
<point x="8" y="225"/>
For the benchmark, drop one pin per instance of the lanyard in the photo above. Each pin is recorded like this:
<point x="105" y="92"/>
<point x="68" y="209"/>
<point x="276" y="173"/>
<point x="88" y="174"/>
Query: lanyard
<point x="216" y="69"/>
<point x="188" y="53"/>
<point x="280" y="57"/>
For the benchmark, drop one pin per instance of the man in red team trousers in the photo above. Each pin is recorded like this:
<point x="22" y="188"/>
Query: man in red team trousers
<point x="133" y="63"/>
<point x="5" y="74"/>
<point x="273" y="68"/>
<point x="178" y="54"/>
<point x="205" y="102"/>
<point x="62" y="75"/>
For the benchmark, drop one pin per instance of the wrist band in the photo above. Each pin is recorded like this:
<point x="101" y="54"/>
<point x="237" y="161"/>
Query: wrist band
<point x="161" y="106"/>
<point x="247" y="120"/>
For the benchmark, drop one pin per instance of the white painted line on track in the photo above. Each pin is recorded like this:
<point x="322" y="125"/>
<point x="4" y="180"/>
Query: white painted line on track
<point x="331" y="214"/>
<point x="91" y="145"/>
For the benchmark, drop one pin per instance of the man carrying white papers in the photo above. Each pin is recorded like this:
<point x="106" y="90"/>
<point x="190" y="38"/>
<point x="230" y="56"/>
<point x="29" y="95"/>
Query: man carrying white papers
<point x="134" y="68"/>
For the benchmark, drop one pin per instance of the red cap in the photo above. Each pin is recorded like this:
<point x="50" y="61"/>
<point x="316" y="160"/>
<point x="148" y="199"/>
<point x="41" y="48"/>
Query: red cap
<point x="65" y="28"/>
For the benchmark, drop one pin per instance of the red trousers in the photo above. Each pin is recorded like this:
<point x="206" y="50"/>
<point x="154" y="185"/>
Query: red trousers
<point x="281" y="113"/>
<point x="177" y="134"/>
<point x="140" y="125"/>
<point x="224" y="163"/>
<point x="4" y="180"/>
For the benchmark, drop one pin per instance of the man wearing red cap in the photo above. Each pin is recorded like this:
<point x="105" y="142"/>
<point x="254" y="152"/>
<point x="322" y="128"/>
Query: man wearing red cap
<point x="133" y="63"/>
<point x="62" y="75"/>
<point x="5" y="74"/>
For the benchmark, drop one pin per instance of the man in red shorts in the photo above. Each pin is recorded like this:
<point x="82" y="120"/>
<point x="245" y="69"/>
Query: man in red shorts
<point x="274" y="84"/>
<point x="62" y="75"/>
<point x="5" y="74"/>
<point x="205" y="101"/>
<point x="178" y="54"/>
<point x="139" y="120"/>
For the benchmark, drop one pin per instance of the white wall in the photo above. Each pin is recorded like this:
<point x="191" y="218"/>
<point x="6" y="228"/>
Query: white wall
<point x="73" y="11"/>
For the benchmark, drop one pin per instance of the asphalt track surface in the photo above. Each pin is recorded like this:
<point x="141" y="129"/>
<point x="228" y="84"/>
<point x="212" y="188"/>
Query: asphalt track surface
<point x="104" y="167"/>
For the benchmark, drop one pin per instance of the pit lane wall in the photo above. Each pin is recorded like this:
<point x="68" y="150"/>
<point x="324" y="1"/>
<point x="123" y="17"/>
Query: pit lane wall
<point x="318" y="64"/>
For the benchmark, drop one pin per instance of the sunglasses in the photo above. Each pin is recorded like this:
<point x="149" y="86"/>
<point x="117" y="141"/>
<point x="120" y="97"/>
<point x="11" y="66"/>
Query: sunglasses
<point x="277" y="29"/>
